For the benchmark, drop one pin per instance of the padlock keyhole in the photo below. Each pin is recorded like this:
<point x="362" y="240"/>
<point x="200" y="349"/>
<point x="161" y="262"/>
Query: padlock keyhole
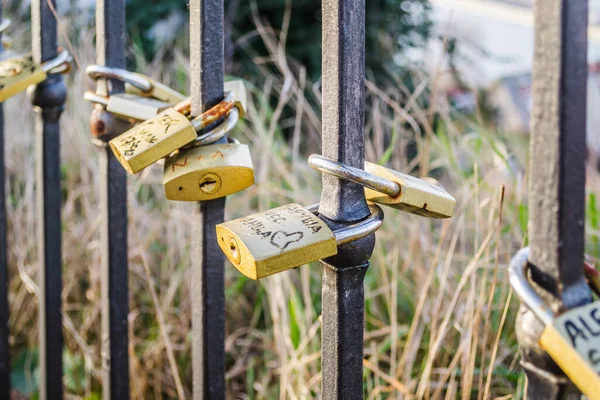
<point x="210" y="183"/>
<point x="235" y="253"/>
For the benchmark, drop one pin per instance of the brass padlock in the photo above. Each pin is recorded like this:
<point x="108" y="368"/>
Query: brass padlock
<point x="416" y="196"/>
<point x="128" y="106"/>
<point x="208" y="172"/>
<point x="160" y="136"/>
<point x="20" y="72"/>
<point x="137" y="84"/>
<point x="286" y="237"/>
<point x="572" y="338"/>
<point x="392" y="188"/>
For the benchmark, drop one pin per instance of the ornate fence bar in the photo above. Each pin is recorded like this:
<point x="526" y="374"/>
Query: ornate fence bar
<point x="48" y="100"/>
<point x="110" y="48"/>
<point x="343" y="202"/>
<point x="556" y="179"/>
<point x="207" y="269"/>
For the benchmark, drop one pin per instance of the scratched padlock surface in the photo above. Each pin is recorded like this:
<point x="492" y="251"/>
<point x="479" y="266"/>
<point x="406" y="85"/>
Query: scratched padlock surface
<point x="265" y="243"/>
<point x="152" y="140"/>
<point x="208" y="172"/>
<point x="417" y="196"/>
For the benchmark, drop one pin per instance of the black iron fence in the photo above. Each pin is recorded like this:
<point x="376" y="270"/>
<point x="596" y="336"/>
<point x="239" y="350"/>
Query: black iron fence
<point x="347" y="216"/>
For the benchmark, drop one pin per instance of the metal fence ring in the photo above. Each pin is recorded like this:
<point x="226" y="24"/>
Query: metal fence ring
<point x="356" y="175"/>
<point x="96" y="72"/>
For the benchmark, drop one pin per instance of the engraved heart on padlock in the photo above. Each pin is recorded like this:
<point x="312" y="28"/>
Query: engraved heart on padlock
<point x="282" y="240"/>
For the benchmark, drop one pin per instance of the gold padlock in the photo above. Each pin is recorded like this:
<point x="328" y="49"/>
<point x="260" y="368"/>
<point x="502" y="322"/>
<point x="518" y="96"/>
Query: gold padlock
<point x="208" y="172"/>
<point x="128" y="106"/>
<point x="20" y="72"/>
<point x="572" y="339"/>
<point x="158" y="137"/>
<point x="286" y="237"/>
<point x="392" y="188"/>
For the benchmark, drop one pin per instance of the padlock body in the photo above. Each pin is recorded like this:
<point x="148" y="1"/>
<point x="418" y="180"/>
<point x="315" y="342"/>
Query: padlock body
<point x="159" y="91"/>
<point x="131" y="106"/>
<point x="208" y="172"/>
<point x="417" y="196"/>
<point x="573" y="342"/>
<point x="276" y="240"/>
<point x="17" y="74"/>
<point x="152" y="140"/>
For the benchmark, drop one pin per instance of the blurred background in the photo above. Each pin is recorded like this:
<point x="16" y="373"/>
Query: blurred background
<point x="448" y="96"/>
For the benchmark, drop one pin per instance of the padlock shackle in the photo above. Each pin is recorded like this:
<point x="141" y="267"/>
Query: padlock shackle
<point x="219" y="131"/>
<point x="215" y="113"/>
<point x="356" y="175"/>
<point x="96" y="72"/>
<point x="359" y="229"/>
<point x="523" y="289"/>
<point x="95" y="98"/>
<point x="63" y="57"/>
<point x="4" y="24"/>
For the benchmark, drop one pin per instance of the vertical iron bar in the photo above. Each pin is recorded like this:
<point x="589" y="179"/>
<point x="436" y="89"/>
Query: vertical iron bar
<point x="556" y="178"/>
<point x="48" y="99"/>
<point x="344" y="202"/>
<point x="4" y="309"/>
<point x="208" y="293"/>
<point x="110" y="49"/>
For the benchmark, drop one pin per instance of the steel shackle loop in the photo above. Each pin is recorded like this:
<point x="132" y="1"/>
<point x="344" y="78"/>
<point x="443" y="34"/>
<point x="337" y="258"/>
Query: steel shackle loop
<point x="96" y="72"/>
<point x="58" y="65"/>
<point x="215" y="113"/>
<point x="219" y="131"/>
<point x="4" y="25"/>
<point x="520" y="283"/>
<point x="356" y="175"/>
<point x="359" y="229"/>
<point x="92" y="97"/>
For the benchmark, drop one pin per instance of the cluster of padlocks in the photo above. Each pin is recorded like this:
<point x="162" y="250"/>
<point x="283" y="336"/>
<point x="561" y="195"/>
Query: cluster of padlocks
<point x="202" y="163"/>
<point x="196" y="169"/>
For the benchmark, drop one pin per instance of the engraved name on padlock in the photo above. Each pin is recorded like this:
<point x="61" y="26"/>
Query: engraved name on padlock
<point x="208" y="172"/>
<point x="417" y="196"/>
<point x="581" y="327"/>
<point x="152" y="140"/>
<point x="160" y="136"/>
<point x="276" y="240"/>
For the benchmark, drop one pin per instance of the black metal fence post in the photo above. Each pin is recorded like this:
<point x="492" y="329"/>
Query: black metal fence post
<point x="343" y="202"/>
<point x="4" y="331"/>
<point x="556" y="179"/>
<point x="48" y="99"/>
<point x="208" y="292"/>
<point x="110" y="49"/>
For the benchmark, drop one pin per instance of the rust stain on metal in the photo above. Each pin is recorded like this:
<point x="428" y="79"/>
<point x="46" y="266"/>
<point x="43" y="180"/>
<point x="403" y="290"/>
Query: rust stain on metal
<point x="217" y="112"/>
<point x="101" y="122"/>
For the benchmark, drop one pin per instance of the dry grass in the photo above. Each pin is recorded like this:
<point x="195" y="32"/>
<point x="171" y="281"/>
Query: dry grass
<point x="439" y="313"/>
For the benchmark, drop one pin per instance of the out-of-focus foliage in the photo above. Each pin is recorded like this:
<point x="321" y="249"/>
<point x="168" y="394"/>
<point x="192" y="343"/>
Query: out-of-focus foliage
<point x="393" y="26"/>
